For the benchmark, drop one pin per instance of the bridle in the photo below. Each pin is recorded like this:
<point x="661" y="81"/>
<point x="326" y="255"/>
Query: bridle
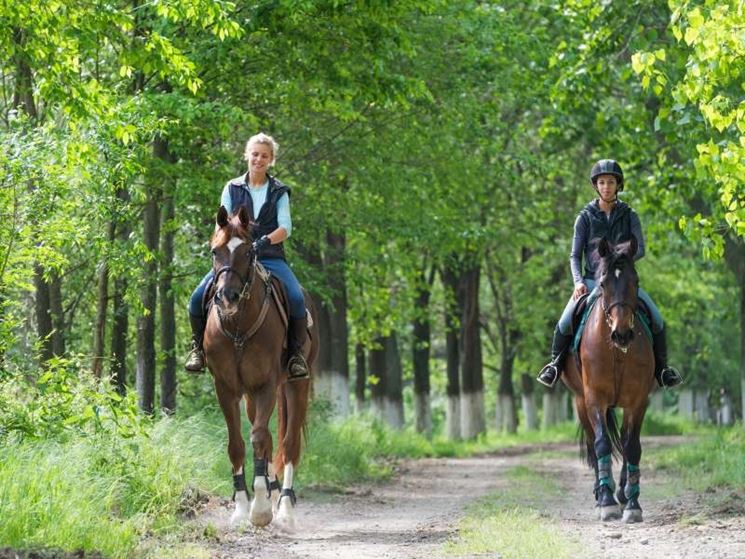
<point x="607" y="310"/>
<point x="239" y="340"/>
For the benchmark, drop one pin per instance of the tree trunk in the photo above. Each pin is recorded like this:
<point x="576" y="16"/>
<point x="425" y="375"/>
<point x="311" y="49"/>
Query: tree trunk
<point x="387" y="397"/>
<point x="735" y="256"/>
<point x="360" y="376"/>
<point x="146" y="358"/>
<point x="120" y="310"/>
<point x="452" y="389"/>
<point x="394" y="383"/>
<point x="168" y="383"/>
<point x="333" y="379"/>
<point x="42" y="304"/>
<point x="102" y="304"/>
<point x="420" y="359"/>
<point x="528" y="402"/>
<point x="553" y="401"/>
<point x="742" y="344"/>
<point x="58" y="315"/>
<point x="377" y="377"/>
<point x="473" y="420"/>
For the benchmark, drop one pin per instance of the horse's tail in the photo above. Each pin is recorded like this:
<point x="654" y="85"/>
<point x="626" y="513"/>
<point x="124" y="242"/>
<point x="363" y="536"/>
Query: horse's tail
<point x="279" y="455"/>
<point x="292" y="411"/>
<point x="614" y="433"/>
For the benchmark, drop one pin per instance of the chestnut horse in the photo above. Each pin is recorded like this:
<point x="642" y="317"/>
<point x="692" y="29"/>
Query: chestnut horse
<point x="243" y="345"/>
<point x="614" y="368"/>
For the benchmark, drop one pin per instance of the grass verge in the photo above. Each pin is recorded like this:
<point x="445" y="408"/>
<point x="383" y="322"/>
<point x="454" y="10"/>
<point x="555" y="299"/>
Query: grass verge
<point x="511" y="523"/>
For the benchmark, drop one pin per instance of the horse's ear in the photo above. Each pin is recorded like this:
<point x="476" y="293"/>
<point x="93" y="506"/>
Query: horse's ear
<point x="603" y="248"/>
<point x="222" y="217"/>
<point x="633" y="246"/>
<point x="243" y="216"/>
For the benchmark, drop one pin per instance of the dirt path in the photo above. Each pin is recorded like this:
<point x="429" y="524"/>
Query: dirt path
<point x="414" y="514"/>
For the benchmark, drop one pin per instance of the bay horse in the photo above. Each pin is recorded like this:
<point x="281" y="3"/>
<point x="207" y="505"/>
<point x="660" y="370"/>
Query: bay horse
<point x="244" y="348"/>
<point x="613" y="368"/>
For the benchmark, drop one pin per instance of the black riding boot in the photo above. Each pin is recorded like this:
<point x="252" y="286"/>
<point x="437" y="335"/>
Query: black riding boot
<point x="195" y="360"/>
<point x="297" y="335"/>
<point x="559" y="349"/>
<point x="666" y="376"/>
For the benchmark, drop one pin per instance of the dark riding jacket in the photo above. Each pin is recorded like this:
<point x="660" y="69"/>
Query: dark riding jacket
<point x="592" y="223"/>
<point x="266" y="222"/>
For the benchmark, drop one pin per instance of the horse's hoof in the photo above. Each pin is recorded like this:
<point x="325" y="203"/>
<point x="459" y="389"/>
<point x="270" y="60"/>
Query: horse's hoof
<point x="240" y="514"/>
<point x="286" y="515"/>
<point x="261" y="506"/>
<point x="632" y="516"/>
<point x="612" y="512"/>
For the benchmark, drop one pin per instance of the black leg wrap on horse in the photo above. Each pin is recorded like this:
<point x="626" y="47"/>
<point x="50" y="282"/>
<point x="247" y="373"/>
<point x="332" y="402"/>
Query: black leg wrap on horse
<point x="288" y="493"/>
<point x="260" y="470"/>
<point x="239" y="483"/>
<point x="605" y="496"/>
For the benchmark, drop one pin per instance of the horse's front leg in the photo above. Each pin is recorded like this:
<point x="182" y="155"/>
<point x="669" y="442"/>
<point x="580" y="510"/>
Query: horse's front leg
<point x="230" y="404"/>
<point x="609" y="508"/>
<point x="632" y="451"/>
<point x="261" y="439"/>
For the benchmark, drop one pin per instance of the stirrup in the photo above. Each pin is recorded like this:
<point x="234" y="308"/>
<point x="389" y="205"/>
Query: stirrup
<point x="549" y="375"/>
<point x="297" y="368"/>
<point x="669" y="377"/>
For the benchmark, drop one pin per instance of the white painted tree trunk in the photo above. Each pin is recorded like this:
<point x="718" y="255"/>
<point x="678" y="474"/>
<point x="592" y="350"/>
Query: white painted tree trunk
<point x="472" y="416"/>
<point x="551" y="404"/>
<point x="724" y="413"/>
<point x="685" y="403"/>
<point x="394" y="413"/>
<point x="656" y="401"/>
<point x="702" y="407"/>
<point x="452" y="419"/>
<point x="423" y="414"/>
<point x="334" y="387"/>
<point x="530" y="412"/>
<point x="506" y="409"/>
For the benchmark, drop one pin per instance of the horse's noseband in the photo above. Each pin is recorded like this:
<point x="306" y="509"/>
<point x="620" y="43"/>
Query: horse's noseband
<point x="608" y="309"/>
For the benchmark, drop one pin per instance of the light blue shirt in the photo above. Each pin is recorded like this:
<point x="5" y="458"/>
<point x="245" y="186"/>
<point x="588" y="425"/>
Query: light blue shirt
<point x="258" y="197"/>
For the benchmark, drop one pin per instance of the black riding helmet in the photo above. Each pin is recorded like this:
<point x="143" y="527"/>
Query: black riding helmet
<point x="607" y="167"/>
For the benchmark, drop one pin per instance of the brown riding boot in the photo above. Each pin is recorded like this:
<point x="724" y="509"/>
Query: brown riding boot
<point x="195" y="360"/>
<point x="297" y="367"/>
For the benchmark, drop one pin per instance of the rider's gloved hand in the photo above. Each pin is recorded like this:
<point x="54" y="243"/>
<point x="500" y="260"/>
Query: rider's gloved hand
<point x="261" y="243"/>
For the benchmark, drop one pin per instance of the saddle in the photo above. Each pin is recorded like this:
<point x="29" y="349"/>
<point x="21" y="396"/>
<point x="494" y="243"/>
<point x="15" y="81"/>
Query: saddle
<point x="585" y="305"/>
<point x="278" y="293"/>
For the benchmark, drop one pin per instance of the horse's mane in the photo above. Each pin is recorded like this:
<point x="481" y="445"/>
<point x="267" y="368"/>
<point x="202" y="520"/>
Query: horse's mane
<point x="617" y="255"/>
<point x="234" y="228"/>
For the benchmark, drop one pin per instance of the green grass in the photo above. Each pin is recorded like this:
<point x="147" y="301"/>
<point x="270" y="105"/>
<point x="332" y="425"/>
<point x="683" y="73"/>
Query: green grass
<point x="511" y="525"/>
<point x="715" y="460"/>
<point x="112" y="488"/>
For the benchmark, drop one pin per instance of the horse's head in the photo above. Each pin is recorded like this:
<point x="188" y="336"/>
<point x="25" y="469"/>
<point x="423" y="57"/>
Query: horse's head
<point x="619" y="283"/>
<point x="232" y="258"/>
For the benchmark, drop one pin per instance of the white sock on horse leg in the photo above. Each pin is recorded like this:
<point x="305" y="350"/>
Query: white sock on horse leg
<point x="289" y="474"/>
<point x="240" y="514"/>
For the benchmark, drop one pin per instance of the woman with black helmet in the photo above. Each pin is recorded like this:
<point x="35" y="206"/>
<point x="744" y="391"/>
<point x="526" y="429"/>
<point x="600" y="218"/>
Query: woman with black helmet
<point x="606" y="216"/>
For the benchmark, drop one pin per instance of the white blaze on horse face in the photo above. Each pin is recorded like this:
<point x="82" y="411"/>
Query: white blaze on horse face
<point x="618" y="273"/>
<point x="234" y="243"/>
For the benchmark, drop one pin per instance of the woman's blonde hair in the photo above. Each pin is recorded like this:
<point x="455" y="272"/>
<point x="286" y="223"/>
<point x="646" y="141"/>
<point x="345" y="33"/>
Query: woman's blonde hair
<point x="265" y="139"/>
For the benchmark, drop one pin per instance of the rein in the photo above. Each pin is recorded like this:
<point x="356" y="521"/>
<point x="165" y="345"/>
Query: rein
<point x="607" y="310"/>
<point x="239" y="340"/>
